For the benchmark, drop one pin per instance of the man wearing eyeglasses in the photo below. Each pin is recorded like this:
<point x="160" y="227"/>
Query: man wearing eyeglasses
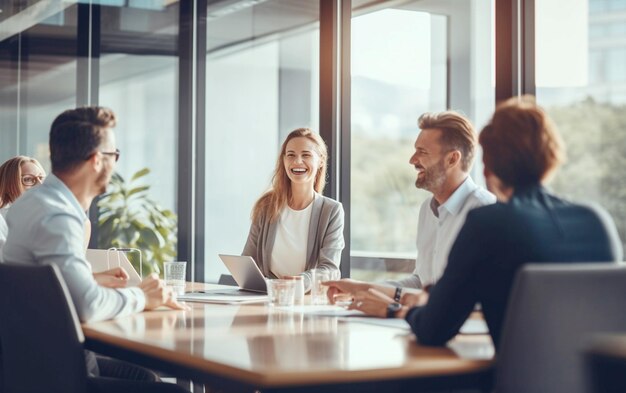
<point x="47" y="223"/>
<point x="46" y="227"/>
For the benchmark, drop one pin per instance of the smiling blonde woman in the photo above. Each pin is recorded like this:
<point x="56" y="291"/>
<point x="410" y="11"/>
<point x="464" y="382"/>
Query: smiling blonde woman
<point x="294" y="228"/>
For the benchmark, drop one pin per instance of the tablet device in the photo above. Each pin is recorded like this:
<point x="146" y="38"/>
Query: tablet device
<point x="245" y="272"/>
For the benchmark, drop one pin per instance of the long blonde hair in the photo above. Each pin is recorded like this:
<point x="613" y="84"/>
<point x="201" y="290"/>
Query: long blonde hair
<point x="274" y="200"/>
<point x="11" y="178"/>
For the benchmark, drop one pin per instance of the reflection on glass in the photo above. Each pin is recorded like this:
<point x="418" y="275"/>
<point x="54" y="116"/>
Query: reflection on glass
<point x="139" y="81"/>
<point x="585" y="94"/>
<point x="38" y="78"/>
<point x="132" y="69"/>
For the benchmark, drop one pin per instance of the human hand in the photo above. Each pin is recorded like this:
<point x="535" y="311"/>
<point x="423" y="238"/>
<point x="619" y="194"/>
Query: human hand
<point x="414" y="299"/>
<point x="158" y="294"/>
<point x="346" y="285"/>
<point x="373" y="302"/>
<point x="112" y="278"/>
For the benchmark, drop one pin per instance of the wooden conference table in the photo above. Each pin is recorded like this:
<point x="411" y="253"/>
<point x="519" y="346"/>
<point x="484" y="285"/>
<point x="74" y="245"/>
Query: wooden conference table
<point x="244" y="348"/>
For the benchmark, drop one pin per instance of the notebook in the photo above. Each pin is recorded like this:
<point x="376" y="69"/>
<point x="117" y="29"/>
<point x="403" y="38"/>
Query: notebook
<point x="102" y="260"/>
<point x="248" y="277"/>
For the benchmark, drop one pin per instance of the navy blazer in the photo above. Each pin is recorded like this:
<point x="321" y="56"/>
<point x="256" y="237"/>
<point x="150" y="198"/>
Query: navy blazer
<point x="533" y="226"/>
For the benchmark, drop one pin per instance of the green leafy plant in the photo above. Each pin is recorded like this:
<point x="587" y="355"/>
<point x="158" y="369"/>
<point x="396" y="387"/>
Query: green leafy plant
<point x="130" y="219"/>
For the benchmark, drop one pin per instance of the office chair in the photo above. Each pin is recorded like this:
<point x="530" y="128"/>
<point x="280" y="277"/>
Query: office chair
<point x="41" y="338"/>
<point x="552" y="311"/>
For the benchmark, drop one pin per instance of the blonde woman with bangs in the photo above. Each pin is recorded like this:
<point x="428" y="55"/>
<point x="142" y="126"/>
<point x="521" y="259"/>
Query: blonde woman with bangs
<point x="17" y="175"/>
<point x="295" y="228"/>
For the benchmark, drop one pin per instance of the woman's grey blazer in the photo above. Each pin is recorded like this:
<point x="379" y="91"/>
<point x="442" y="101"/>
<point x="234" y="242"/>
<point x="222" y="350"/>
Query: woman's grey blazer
<point x="324" y="244"/>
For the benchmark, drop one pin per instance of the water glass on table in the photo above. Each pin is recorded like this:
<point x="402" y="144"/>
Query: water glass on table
<point x="299" y="294"/>
<point x="318" y="291"/>
<point x="174" y="274"/>
<point x="281" y="292"/>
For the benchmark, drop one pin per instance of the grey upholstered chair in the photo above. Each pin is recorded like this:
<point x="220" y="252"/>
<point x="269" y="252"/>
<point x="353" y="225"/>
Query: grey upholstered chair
<point x="41" y="338"/>
<point x="553" y="310"/>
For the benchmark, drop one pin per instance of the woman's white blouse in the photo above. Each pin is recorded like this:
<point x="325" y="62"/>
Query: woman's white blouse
<point x="290" y="245"/>
<point x="4" y="229"/>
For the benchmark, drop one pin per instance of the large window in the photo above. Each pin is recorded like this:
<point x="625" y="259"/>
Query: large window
<point x="580" y="78"/>
<point x="260" y="79"/>
<point x="262" y="82"/>
<point x="38" y="68"/>
<point x="407" y="60"/>
<point x="123" y="55"/>
<point x="139" y="81"/>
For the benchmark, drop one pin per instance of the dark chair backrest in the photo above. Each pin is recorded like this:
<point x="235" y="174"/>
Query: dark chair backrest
<point x="552" y="311"/>
<point x="42" y="342"/>
<point x="227" y="279"/>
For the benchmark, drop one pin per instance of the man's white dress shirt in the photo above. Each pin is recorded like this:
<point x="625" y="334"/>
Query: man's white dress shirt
<point x="437" y="229"/>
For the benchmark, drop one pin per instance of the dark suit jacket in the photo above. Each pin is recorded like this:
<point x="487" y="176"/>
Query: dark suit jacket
<point x="495" y="241"/>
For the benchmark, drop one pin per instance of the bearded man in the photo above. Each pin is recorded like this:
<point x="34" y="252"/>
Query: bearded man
<point x="444" y="153"/>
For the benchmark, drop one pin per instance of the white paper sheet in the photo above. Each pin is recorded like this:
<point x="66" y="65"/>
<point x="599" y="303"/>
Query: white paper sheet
<point x="102" y="260"/>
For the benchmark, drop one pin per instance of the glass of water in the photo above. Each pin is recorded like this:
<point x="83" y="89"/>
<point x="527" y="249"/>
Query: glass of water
<point x="318" y="291"/>
<point x="281" y="293"/>
<point x="174" y="274"/>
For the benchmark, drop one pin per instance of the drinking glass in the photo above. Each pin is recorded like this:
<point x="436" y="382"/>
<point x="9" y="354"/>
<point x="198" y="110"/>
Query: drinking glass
<point x="281" y="293"/>
<point x="318" y="291"/>
<point x="174" y="274"/>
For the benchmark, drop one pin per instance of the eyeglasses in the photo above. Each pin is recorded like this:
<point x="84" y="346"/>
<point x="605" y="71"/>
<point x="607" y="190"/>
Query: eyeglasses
<point x="31" y="180"/>
<point x="115" y="153"/>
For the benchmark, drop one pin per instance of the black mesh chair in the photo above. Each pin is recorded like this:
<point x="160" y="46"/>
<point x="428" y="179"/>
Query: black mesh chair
<point x="41" y="338"/>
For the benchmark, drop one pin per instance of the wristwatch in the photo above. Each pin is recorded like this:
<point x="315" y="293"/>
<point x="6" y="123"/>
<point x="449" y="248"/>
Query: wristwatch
<point x="392" y="309"/>
<point x="398" y="294"/>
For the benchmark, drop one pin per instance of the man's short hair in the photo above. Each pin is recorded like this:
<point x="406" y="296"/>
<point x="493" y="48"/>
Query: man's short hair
<point x="76" y="134"/>
<point x="457" y="133"/>
<point x="521" y="145"/>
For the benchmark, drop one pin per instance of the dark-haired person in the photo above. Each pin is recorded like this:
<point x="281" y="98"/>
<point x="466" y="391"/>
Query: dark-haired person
<point x="521" y="149"/>
<point x="47" y="227"/>
<point x="21" y="173"/>
<point x="443" y="157"/>
<point x="295" y="228"/>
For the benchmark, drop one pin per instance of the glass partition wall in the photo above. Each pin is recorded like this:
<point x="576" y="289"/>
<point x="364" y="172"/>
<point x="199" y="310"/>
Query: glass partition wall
<point x="38" y="67"/>
<point x="206" y="90"/>
<point x="123" y="55"/>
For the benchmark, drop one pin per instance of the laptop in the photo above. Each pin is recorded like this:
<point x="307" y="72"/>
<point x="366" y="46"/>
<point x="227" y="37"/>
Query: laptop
<point x="245" y="272"/>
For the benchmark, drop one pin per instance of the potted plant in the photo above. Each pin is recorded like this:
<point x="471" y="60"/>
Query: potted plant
<point x="130" y="219"/>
